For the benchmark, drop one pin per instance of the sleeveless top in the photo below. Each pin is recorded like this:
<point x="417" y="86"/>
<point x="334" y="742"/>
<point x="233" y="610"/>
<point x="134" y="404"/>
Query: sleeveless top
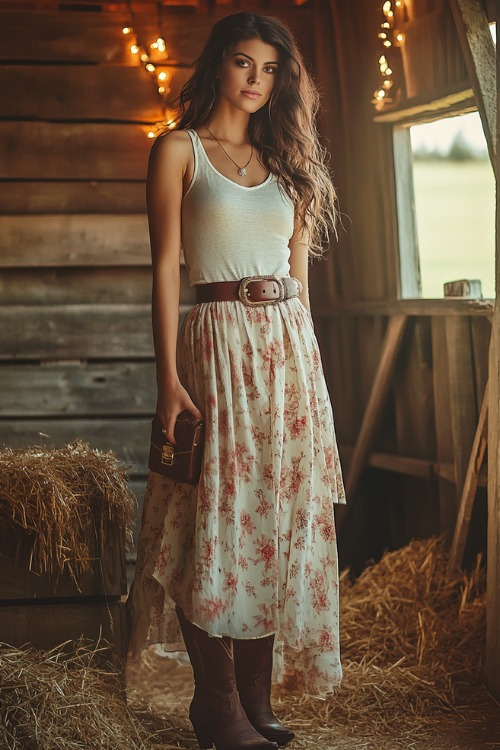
<point x="230" y="231"/>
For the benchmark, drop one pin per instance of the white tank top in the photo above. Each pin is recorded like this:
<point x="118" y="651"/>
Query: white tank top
<point x="230" y="231"/>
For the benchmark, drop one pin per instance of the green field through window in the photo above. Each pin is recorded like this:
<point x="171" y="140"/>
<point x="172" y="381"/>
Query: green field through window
<point x="455" y="204"/>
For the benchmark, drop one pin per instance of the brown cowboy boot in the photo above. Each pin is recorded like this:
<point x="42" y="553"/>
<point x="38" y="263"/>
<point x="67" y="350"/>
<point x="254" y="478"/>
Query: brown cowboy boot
<point x="253" y="663"/>
<point x="215" y="711"/>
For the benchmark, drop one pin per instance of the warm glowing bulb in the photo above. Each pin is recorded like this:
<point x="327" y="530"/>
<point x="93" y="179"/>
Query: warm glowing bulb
<point x="400" y="37"/>
<point x="382" y="35"/>
<point x="387" y="43"/>
<point x="382" y="59"/>
<point x="387" y="6"/>
<point x="387" y="84"/>
<point x="398" y="4"/>
<point x="161" y="89"/>
<point x="154" y="45"/>
<point x="150" y="67"/>
<point x="162" y="76"/>
<point x="380" y="94"/>
<point x="144" y="57"/>
<point x="151" y="134"/>
<point x="388" y="71"/>
<point x="385" y="25"/>
<point x="126" y="30"/>
<point x="161" y="44"/>
<point x="134" y="49"/>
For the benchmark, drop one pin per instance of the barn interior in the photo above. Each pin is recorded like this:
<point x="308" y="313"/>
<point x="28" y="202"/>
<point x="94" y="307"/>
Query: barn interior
<point x="414" y="380"/>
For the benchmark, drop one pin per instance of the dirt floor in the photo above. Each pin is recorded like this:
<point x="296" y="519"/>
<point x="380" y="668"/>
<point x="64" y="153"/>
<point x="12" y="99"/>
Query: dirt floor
<point x="166" y="687"/>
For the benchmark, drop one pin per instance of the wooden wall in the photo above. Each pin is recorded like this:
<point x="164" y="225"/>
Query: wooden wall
<point x="417" y="450"/>
<point x="76" y="357"/>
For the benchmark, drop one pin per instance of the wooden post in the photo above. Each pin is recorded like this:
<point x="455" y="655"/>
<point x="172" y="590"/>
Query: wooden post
<point x="492" y="660"/>
<point x="479" y="53"/>
<point x="470" y="487"/>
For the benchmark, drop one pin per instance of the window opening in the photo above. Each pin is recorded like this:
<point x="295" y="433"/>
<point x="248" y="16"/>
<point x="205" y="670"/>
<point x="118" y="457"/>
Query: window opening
<point x="454" y="193"/>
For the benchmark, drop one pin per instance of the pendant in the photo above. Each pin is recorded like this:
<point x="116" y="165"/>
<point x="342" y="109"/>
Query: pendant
<point x="242" y="171"/>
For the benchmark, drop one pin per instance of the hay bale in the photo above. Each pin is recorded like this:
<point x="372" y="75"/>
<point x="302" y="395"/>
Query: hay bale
<point x="62" y="500"/>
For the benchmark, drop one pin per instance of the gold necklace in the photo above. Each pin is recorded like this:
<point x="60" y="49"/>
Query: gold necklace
<point x="241" y="170"/>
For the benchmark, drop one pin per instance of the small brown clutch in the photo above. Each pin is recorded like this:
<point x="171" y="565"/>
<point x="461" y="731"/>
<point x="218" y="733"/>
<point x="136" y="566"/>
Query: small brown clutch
<point x="181" y="462"/>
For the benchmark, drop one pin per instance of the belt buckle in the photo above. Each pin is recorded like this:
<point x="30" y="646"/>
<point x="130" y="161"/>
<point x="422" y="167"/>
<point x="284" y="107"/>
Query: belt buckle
<point x="243" y="291"/>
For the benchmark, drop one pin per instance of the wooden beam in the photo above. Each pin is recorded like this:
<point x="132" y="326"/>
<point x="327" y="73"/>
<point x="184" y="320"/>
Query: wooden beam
<point x="469" y="489"/>
<point x="479" y="53"/>
<point x="417" y="307"/>
<point x="419" y="109"/>
<point x="380" y="388"/>
<point x="492" y="656"/>
<point x="75" y="197"/>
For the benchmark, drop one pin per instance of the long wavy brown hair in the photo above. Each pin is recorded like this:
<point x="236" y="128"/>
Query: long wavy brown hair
<point x="284" y="130"/>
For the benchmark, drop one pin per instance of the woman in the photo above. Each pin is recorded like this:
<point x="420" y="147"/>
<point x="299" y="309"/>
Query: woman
<point x="246" y="561"/>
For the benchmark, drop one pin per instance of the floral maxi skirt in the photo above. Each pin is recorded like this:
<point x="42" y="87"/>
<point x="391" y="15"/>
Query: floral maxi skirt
<point x="251" y="550"/>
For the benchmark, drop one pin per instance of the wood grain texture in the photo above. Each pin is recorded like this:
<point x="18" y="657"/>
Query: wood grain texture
<point x="73" y="151"/>
<point x="75" y="331"/>
<point x="85" y="92"/>
<point x="80" y="285"/>
<point x="442" y="426"/>
<point x="76" y="37"/>
<point x="46" y="626"/>
<point x="80" y="389"/>
<point x="106" y="577"/>
<point x="471" y="483"/>
<point x="74" y="240"/>
<point x="464" y="415"/>
<point x="78" y="197"/>
<point x="479" y="53"/>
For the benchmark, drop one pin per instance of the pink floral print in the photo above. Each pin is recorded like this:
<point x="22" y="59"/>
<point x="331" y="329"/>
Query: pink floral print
<point x="251" y="550"/>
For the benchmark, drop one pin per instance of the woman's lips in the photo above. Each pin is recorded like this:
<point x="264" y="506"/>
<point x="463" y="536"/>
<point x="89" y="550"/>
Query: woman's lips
<point x="252" y="94"/>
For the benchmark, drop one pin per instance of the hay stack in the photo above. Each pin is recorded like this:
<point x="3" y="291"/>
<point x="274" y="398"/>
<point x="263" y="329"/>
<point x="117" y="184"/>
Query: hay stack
<point x="63" y="499"/>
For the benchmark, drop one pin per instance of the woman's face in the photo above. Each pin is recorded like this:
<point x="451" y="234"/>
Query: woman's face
<point x="248" y="73"/>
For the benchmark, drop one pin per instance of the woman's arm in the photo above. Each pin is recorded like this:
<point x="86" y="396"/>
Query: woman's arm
<point x="299" y="258"/>
<point x="167" y="165"/>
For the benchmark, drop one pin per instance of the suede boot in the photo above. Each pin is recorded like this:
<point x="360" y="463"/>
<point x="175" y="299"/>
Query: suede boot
<point x="253" y="663"/>
<point x="215" y="711"/>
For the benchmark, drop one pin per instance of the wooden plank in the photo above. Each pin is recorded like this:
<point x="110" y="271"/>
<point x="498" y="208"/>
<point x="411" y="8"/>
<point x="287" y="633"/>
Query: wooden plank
<point x="469" y="489"/>
<point x="457" y="98"/>
<point x="78" y="389"/>
<point x="74" y="240"/>
<point x="68" y="37"/>
<point x="409" y="260"/>
<point x="128" y="438"/>
<point x="446" y="307"/>
<point x="78" y="197"/>
<point x="73" y="151"/>
<point x="442" y="425"/>
<point x="85" y="92"/>
<point x="463" y="409"/>
<point x="414" y="407"/>
<point x="106" y="577"/>
<point x="492" y="654"/>
<point x="479" y="53"/>
<point x="62" y="286"/>
<point x="46" y="626"/>
<point x="481" y="337"/>
<point x="75" y="331"/>
<point x="381" y="384"/>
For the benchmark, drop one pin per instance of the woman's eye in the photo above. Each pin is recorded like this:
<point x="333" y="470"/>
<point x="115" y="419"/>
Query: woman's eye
<point x="242" y="63"/>
<point x="269" y="69"/>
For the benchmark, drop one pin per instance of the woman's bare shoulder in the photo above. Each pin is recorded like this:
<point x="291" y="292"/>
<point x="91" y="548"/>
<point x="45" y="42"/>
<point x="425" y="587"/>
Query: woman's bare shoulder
<point x="175" y="145"/>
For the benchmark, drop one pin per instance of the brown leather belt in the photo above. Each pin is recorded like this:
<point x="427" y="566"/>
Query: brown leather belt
<point x="252" y="290"/>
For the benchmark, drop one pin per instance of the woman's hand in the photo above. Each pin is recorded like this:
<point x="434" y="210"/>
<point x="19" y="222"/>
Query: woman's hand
<point x="171" y="401"/>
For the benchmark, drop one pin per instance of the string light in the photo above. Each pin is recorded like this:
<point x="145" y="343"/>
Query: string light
<point x="389" y="37"/>
<point x="160" y="77"/>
